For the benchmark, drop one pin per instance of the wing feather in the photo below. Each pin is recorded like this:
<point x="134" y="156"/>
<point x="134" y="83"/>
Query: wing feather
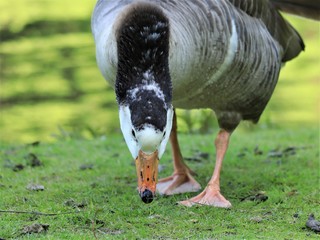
<point x="304" y="8"/>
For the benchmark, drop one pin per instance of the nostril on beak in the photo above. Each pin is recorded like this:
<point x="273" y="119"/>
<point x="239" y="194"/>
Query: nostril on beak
<point x="146" y="196"/>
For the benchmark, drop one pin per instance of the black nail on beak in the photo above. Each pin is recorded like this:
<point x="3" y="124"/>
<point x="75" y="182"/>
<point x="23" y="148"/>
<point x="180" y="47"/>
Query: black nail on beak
<point x="146" y="196"/>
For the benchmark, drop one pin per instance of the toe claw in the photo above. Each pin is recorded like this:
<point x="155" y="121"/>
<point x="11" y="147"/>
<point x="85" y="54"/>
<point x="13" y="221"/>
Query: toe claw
<point x="186" y="203"/>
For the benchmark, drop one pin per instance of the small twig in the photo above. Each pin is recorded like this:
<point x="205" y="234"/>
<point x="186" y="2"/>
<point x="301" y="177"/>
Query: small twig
<point x="93" y="229"/>
<point x="36" y="213"/>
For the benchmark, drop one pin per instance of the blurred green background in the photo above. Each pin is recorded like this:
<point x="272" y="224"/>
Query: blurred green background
<point x="51" y="87"/>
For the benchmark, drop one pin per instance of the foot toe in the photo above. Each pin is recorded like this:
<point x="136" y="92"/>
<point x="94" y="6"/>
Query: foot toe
<point x="186" y="203"/>
<point x="208" y="198"/>
<point x="178" y="184"/>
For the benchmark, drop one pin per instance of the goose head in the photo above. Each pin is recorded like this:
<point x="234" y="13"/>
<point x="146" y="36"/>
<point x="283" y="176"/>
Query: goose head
<point x="146" y="125"/>
<point x="144" y="91"/>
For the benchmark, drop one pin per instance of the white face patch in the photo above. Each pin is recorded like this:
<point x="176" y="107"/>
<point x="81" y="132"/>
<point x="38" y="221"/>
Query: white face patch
<point x="148" y="139"/>
<point x="126" y="128"/>
<point x="166" y="132"/>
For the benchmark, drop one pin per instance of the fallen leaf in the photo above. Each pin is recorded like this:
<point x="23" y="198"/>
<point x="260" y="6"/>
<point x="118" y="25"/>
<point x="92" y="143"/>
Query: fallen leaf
<point x="35" y="228"/>
<point x="256" y="219"/>
<point x="194" y="220"/>
<point x="154" y="216"/>
<point x="35" y="187"/>
<point x="86" y="166"/>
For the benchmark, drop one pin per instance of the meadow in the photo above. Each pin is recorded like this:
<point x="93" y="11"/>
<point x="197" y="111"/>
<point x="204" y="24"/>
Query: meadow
<point x="80" y="189"/>
<point x="50" y="84"/>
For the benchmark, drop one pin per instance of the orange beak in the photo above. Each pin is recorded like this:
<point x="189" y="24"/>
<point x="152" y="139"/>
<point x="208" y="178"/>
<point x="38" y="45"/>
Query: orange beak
<point x="147" y="172"/>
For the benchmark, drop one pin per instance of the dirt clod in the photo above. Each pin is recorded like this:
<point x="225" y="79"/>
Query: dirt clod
<point x="18" y="167"/>
<point x="33" y="160"/>
<point x="34" y="144"/>
<point x="256" y="219"/>
<point x="74" y="204"/>
<point x="35" y="228"/>
<point x="275" y="154"/>
<point x="290" y="151"/>
<point x="259" y="197"/>
<point x="313" y="224"/>
<point x="96" y="223"/>
<point x="110" y="231"/>
<point x="257" y="151"/>
<point x="35" y="187"/>
<point x="88" y="166"/>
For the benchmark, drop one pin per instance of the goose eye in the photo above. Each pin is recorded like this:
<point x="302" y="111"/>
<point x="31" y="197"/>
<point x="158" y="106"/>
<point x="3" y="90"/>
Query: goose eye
<point x="133" y="133"/>
<point x="164" y="133"/>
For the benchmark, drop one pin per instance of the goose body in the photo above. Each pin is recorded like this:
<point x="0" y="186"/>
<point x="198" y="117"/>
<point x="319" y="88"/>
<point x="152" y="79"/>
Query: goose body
<point x="220" y="57"/>
<point x="161" y="54"/>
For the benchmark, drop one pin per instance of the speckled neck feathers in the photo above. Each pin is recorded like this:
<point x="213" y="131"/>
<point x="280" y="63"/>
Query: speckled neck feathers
<point x="143" y="80"/>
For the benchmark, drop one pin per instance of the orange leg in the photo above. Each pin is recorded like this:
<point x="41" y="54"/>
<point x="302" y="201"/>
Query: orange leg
<point x="181" y="180"/>
<point x="211" y="194"/>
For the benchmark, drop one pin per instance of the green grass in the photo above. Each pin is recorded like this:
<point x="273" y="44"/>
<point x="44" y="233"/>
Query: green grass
<point x="108" y="190"/>
<point x="49" y="77"/>
<point x="30" y="10"/>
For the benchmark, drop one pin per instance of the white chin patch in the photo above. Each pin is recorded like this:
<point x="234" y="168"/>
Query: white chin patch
<point x="147" y="139"/>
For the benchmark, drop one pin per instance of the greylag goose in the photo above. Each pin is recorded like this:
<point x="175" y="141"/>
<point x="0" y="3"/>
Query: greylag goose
<point x="165" y="54"/>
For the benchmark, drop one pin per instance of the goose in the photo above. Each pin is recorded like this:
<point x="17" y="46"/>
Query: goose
<point x="160" y="55"/>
